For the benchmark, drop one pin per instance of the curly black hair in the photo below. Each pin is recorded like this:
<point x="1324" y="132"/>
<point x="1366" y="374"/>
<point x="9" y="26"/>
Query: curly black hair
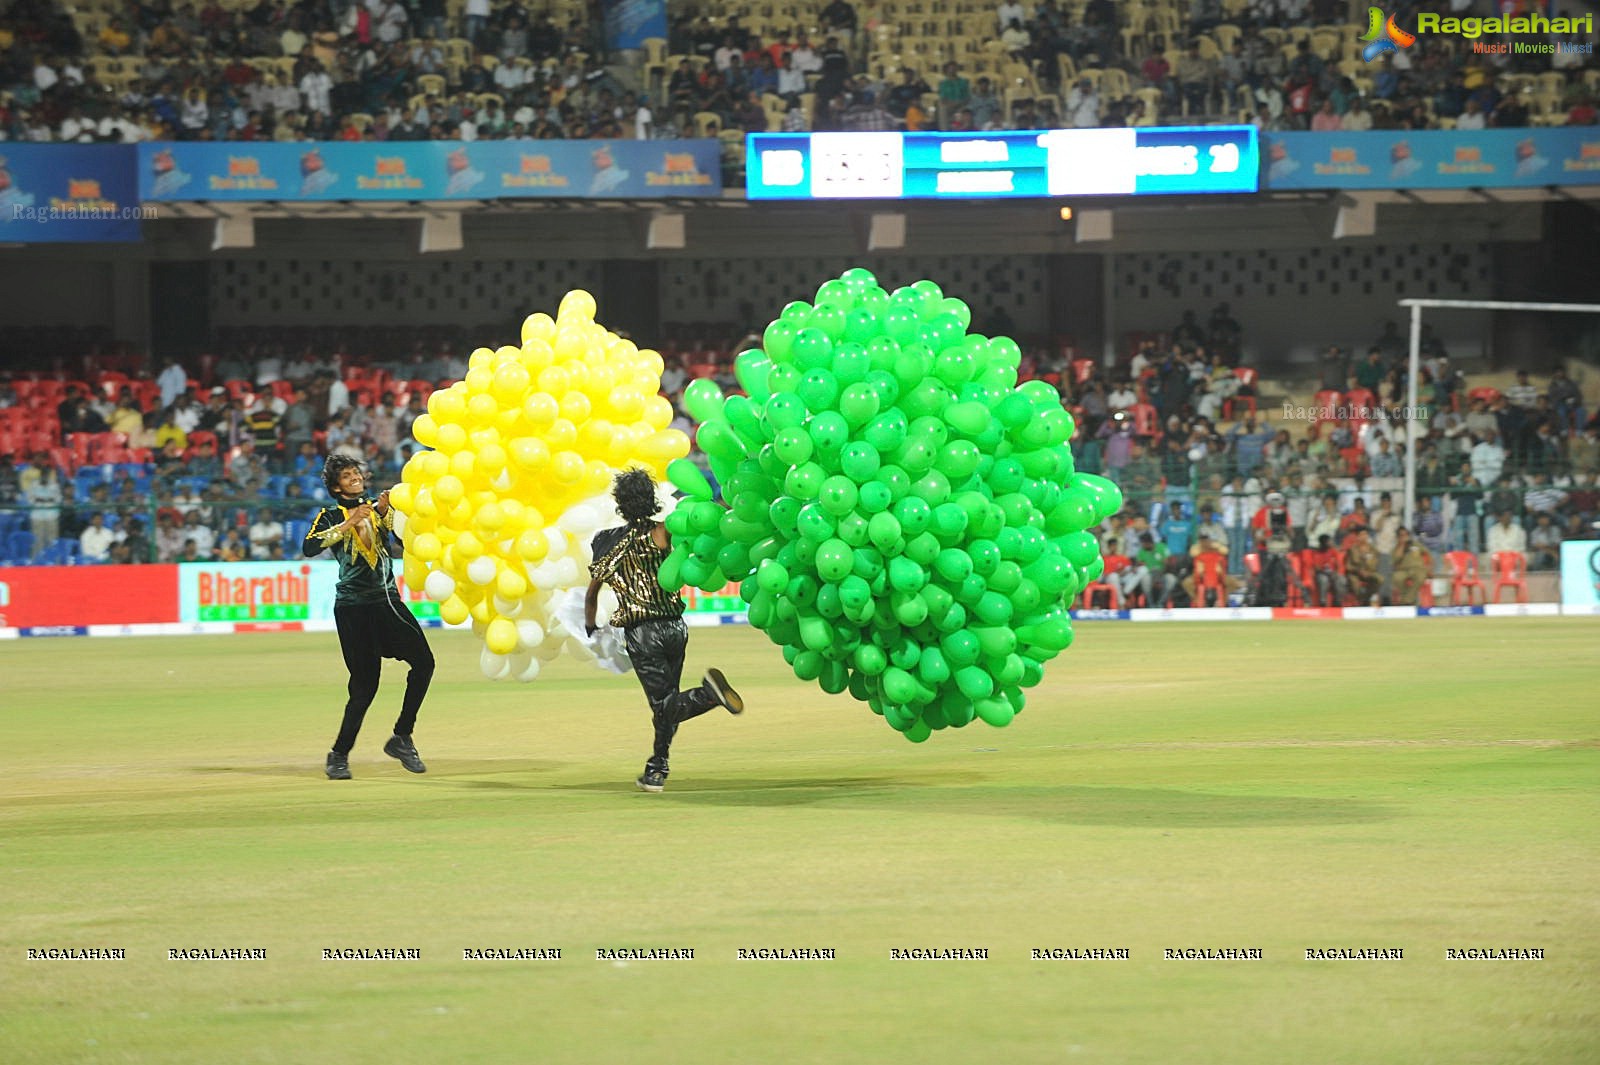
<point x="334" y="467"/>
<point x="635" y="493"/>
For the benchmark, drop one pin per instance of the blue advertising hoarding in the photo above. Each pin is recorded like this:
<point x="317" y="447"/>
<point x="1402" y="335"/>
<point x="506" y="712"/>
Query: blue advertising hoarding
<point x="630" y="22"/>
<point x="74" y="193"/>
<point x="1580" y="574"/>
<point x="1433" y="159"/>
<point x="1002" y="163"/>
<point x="431" y="170"/>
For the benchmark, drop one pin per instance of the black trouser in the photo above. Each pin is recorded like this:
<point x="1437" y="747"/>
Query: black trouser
<point x="369" y="633"/>
<point x="656" y="648"/>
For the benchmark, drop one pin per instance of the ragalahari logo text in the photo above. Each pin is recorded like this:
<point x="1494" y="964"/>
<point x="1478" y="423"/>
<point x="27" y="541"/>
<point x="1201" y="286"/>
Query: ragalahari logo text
<point x="1383" y="35"/>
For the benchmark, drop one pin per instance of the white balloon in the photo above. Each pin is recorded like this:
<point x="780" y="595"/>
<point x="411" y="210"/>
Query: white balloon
<point x="530" y="633"/>
<point x="481" y="570"/>
<point x="508" y="608"/>
<point x="577" y="650"/>
<point x="502" y="483"/>
<point x="399" y="521"/>
<point x="579" y="521"/>
<point x="557" y="541"/>
<point x="529" y="672"/>
<point x="495" y="667"/>
<point x="546" y="653"/>
<point x="439" y="586"/>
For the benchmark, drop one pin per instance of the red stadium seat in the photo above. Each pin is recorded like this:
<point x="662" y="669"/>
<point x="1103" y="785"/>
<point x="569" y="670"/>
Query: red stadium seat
<point x="1146" y="419"/>
<point x="1485" y="393"/>
<point x="1326" y="401"/>
<point x="1464" y="577"/>
<point x="1086" y="597"/>
<point x="1511" y="571"/>
<point x="1082" y="370"/>
<point x="1247" y="379"/>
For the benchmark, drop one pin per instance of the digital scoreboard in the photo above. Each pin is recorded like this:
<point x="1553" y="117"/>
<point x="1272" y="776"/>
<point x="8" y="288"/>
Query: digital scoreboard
<point x="1003" y="163"/>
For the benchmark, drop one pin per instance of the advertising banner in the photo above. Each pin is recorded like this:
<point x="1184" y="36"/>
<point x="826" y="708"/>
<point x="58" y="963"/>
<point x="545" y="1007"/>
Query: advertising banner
<point x="630" y="22"/>
<point x="51" y="596"/>
<point x="724" y="600"/>
<point x="1580" y="575"/>
<point x="1433" y="159"/>
<point x="431" y="170"/>
<point x="269" y="592"/>
<point x="59" y="193"/>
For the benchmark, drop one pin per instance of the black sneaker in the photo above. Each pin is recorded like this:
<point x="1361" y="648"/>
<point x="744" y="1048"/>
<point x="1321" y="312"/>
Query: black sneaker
<point x="400" y="747"/>
<point x="651" y="780"/>
<point x="338" y="766"/>
<point x="720" y="690"/>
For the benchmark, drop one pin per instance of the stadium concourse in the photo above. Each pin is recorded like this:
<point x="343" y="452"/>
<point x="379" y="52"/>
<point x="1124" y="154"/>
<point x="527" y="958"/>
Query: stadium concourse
<point x="122" y="461"/>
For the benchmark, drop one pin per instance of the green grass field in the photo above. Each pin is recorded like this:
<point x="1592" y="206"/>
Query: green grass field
<point x="1279" y="786"/>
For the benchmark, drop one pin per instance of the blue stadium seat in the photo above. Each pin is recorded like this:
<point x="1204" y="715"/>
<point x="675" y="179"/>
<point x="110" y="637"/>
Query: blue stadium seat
<point x="64" y="552"/>
<point x="19" y="547"/>
<point x="294" y="535"/>
<point x="275" y="486"/>
<point x="311" y="485"/>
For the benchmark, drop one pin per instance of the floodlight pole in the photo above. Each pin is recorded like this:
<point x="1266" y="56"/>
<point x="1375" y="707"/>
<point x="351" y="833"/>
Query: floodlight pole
<point x="1409" y="420"/>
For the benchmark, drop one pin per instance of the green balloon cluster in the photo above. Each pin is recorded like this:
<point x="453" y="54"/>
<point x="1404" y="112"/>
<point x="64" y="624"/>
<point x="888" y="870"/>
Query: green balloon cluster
<point x="901" y="517"/>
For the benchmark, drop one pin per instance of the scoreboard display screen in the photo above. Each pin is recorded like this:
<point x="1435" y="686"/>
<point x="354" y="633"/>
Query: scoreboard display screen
<point x="1004" y="163"/>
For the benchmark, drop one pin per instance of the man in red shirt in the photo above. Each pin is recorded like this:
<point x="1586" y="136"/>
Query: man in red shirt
<point x="1327" y="572"/>
<point x="1210" y="575"/>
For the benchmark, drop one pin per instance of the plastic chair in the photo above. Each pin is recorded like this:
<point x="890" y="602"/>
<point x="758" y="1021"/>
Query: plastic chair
<point x="1511" y="571"/>
<point x="1208" y="569"/>
<point x="1326" y="401"/>
<point x="1086" y="597"/>
<point x="1247" y="379"/>
<point x="1464" y="577"/>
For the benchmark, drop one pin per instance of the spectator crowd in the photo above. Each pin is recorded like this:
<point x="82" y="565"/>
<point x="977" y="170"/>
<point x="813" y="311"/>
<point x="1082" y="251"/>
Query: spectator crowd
<point x="1225" y="496"/>
<point x="414" y="70"/>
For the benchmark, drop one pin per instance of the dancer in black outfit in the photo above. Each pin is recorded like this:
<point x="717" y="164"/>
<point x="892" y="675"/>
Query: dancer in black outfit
<point x="373" y="623"/>
<point x="628" y="558"/>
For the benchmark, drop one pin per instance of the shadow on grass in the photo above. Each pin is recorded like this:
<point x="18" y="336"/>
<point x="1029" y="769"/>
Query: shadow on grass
<point x="1064" y="804"/>
<point x="453" y="769"/>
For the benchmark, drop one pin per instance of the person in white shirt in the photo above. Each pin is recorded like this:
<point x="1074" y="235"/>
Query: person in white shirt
<point x="1472" y="117"/>
<point x="264" y="535"/>
<point x="477" y="16"/>
<point x="388" y="20"/>
<point x="45" y="77"/>
<point x="1007" y="12"/>
<point x="1122" y="396"/>
<point x="791" y="79"/>
<point x="338" y="396"/>
<point x="316" y="87"/>
<point x="644" y="122"/>
<point x="511" y="76"/>
<point x="269" y="369"/>
<point x="198" y="531"/>
<point x="1506" y="535"/>
<point x="186" y="414"/>
<point x="805" y="58"/>
<point x="94" y="543"/>
<point x="1083" y="106"/>
<point x="1488" y="459"/>
<point x="173" y="382"/>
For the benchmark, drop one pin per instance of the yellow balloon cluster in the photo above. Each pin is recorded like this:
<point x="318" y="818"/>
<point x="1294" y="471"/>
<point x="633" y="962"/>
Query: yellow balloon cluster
<point x="497" y="514"/>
